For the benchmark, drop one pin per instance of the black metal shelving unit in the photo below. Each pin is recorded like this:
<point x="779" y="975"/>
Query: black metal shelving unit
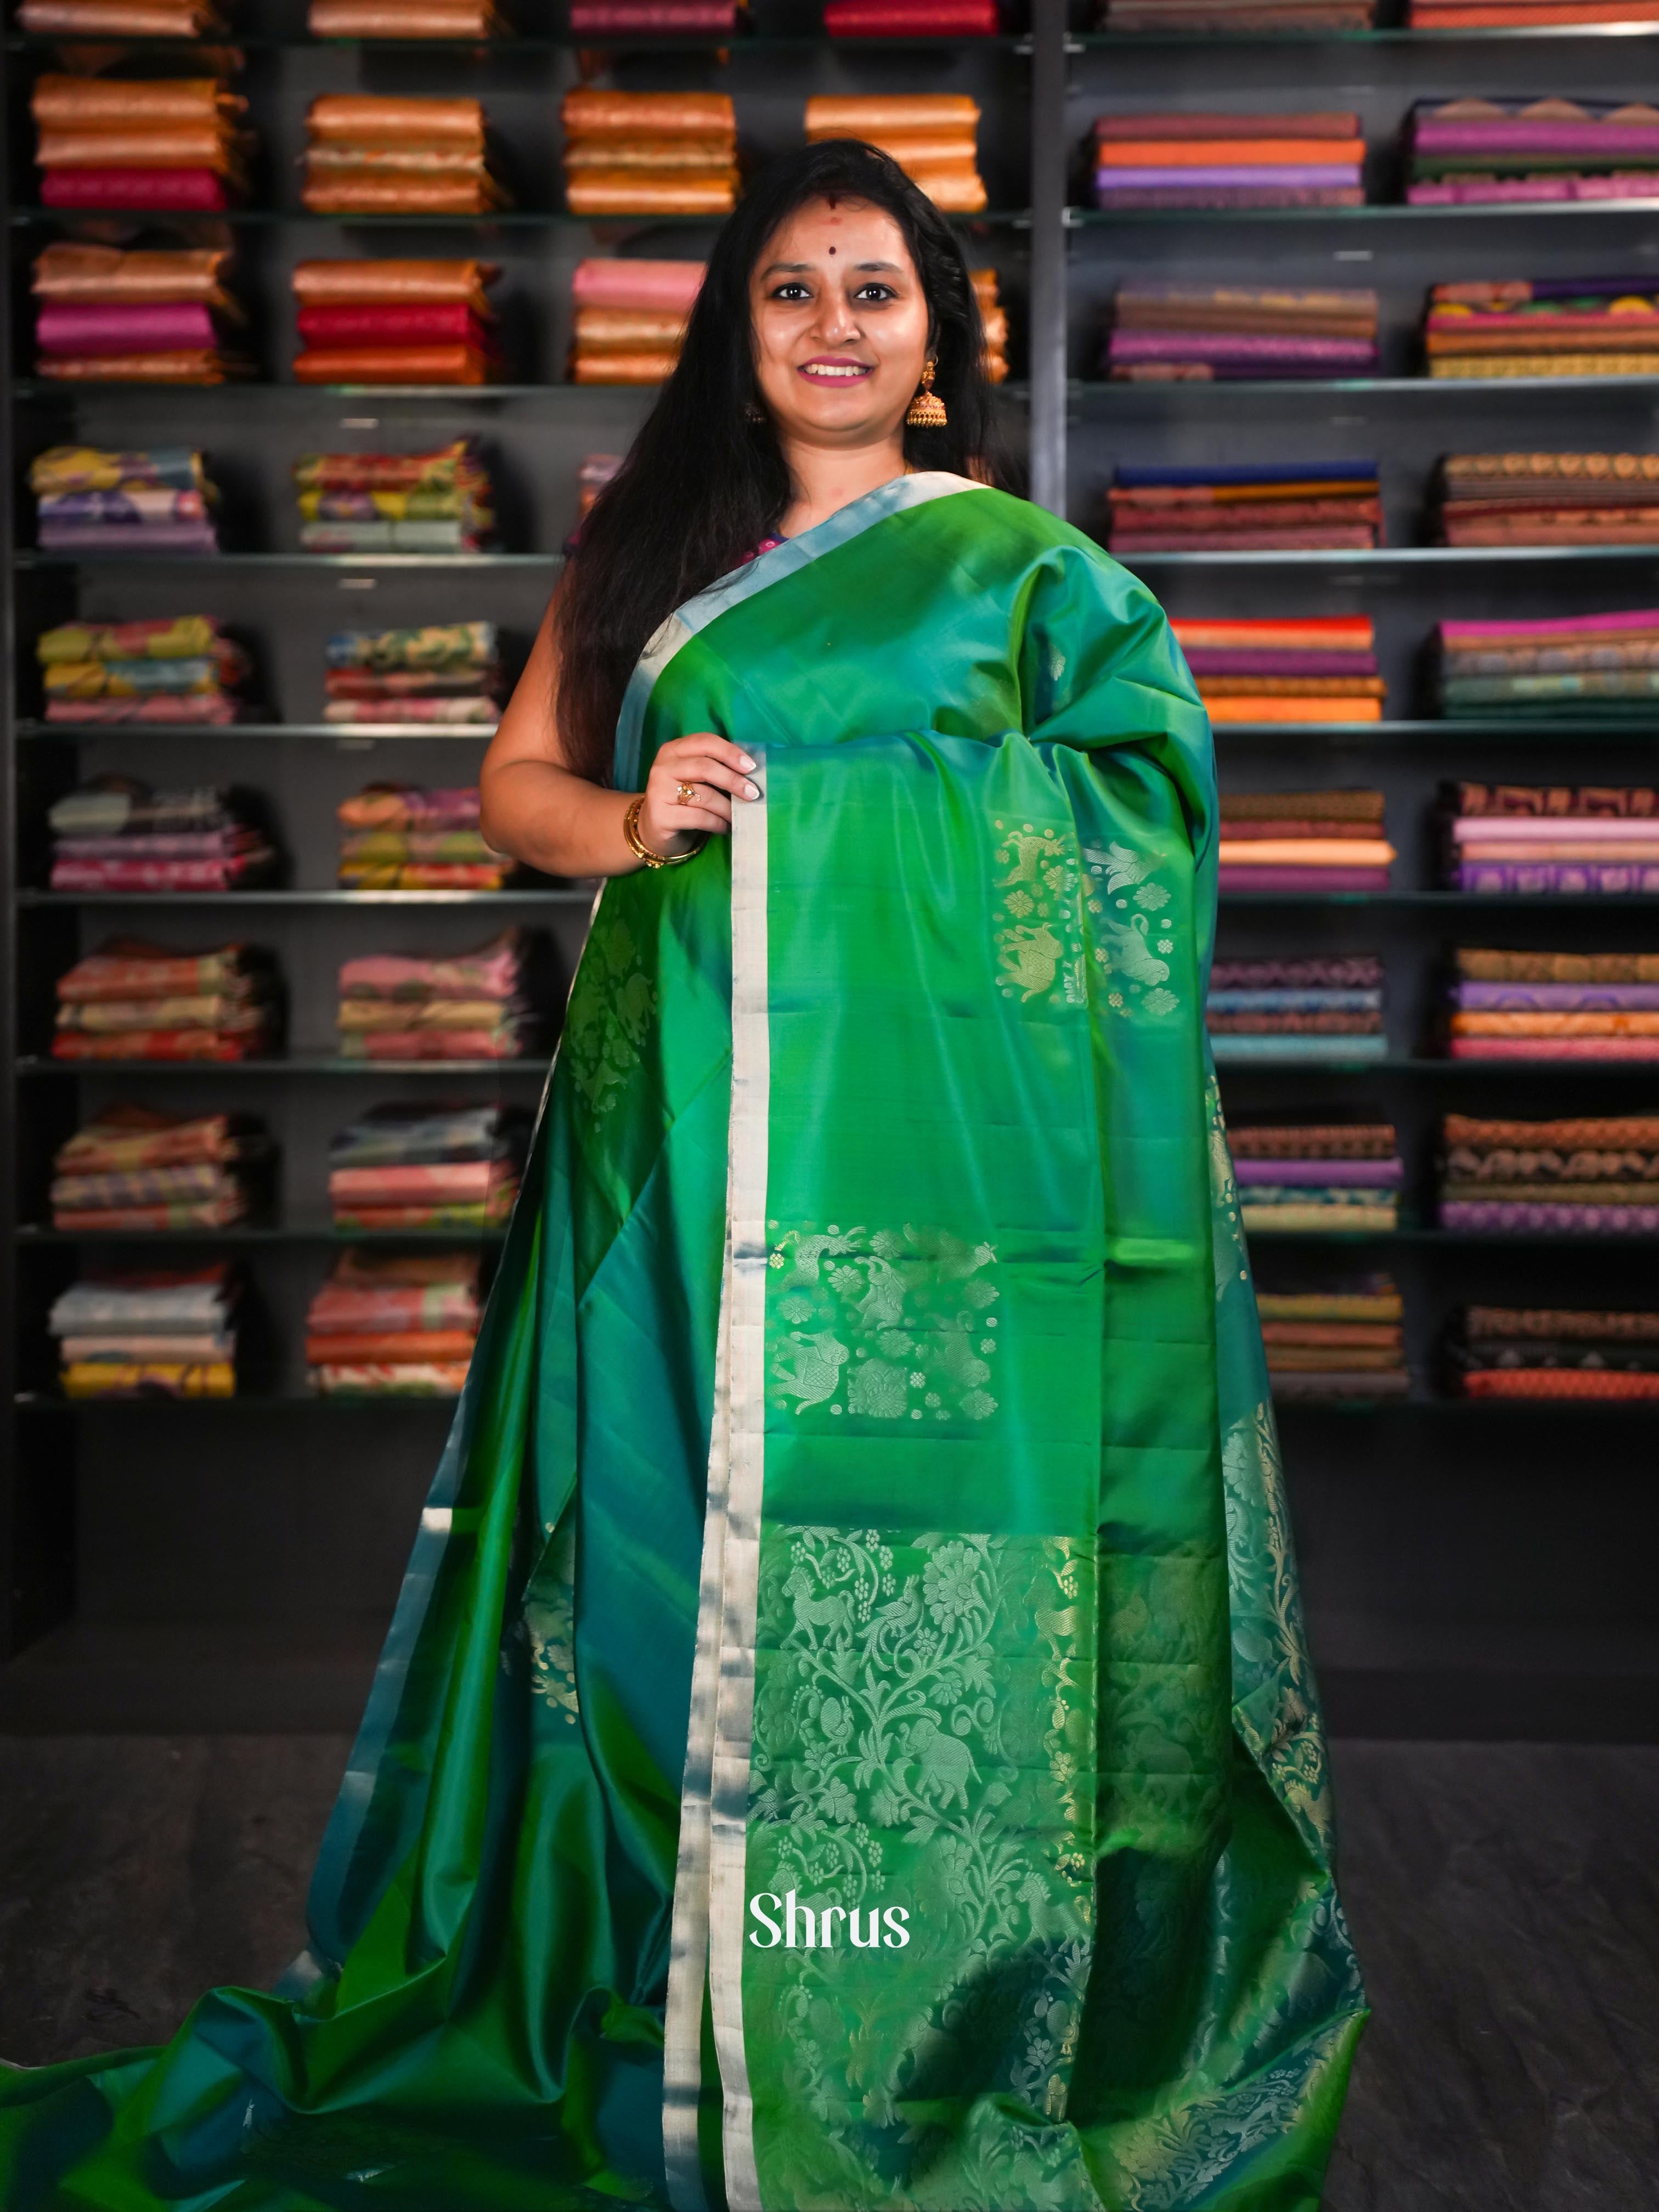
<point x="220" y="1564"/>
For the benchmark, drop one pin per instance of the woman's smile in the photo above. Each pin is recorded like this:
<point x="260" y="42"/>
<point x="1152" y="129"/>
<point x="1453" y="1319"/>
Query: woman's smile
<point x="836" y="368"/>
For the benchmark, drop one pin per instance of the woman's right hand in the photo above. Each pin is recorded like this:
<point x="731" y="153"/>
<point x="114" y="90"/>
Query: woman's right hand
<point x="716" y="772"/>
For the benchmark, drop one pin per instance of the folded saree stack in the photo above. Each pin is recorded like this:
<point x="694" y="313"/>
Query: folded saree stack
<point x="1322" y="668"/>
<point x="1545" y="327"/>
<point x="1554" y="1005"/>
<point x="402" y="1168"/>
<point x="115" y="834"/>
<point x="1473" y="152"/>
<point x="122" y="19"/>
<point x="449" y="673"/>
<point x="1318" y="1010"/>
<point x="1547" y="499"/>
<point x="433" y="502"/>
<point x="646" y="19"/>
<point x="148" y="1334"/>
<point x="162" y="317"/>
<point x="181" y="670"/>
<point x="398" y="836"/>
<point x="910" y="19"/>
<point x="1185" y="333"/>
<point x="1323" y="1177"/>
<point x="1334" y="1340"/>
<point x="1217" y="161"/>
<point x="396" y="322"/>
<point x="933" y="136"/>
<point x="133" y="1000"/>
<point x="649" y="153"/>
<point x="394" y="1324"/>
<point x="1525" y="839"/>
<point x="132" y="1169"/>
<point x="405" y="20"/>
<point x="1290" y="506"/>
<point x="1279" y="841"/>
<point x="91" y="500"/>
<point x="994" y="318"/>
<point x="1189" y="18"/>
<point x="474" y="1006"/>
<point x="372" y="155"/>
<point x="1549" y="1352"/>
<point x="1594" y="667"/>
<point x="631" y="318"/>
<point x="140" y="144"/>
<point x="1597" y="1177"/>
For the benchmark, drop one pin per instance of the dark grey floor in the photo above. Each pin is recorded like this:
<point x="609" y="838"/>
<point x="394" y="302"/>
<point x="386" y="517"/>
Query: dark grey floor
<point x="1505" y="1898"/>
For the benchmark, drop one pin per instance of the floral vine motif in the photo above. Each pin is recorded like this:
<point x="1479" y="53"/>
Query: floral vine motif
<point x="612" y="1005"/>
<point x="1039" y="937"/>
<point x="884" y="1724"/>
<point x="887" y="1326"/>
<point x="1134" y="952"/>
<point x="549" y="1619"/>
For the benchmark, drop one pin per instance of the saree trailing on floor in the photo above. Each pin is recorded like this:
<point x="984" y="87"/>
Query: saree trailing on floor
<point x="846" y="1740"/>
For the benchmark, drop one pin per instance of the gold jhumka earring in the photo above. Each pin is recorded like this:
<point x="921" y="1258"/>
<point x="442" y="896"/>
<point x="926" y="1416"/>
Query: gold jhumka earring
<point x="926" y="411"/>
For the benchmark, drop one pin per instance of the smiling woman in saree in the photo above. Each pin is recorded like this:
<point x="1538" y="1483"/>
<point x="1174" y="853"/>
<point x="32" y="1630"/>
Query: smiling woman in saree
<point x="846" y="1740"/>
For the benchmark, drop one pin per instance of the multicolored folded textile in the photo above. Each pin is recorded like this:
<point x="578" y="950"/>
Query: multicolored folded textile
<point x="933" y="136"/>
<point x="910" y="19"/>
<point x="394" y="1324"/>
<point x="146" y="1335"/>
<point x="1545" y="327"/>
<point x="1296" y="841"/>
<point x="1585" y="1175"/>
<point x="134" y="1000"/>
<point x="630" y="316"/>
<point x="178" y="670"/>
<point x="1186" y="333"/>
<point x="1333" y="1339"/>
<point x="90" y="500"/>
<point x="157" y="317"/>
<point x="1470" y="152"/>
<point x="400" y="838"/>
<point x="1328" y="1178"/>
<point x="645" y="19"/>
<point x="372" y="155"/>
<point x="396" y="322"/>
<point x="1322" y="668"/>
<point x="1197" y="159"/>
<point x="1531" y="838"/>
<point x="487" y="1005"/>
<point x="130" y="1168"/>
<point x="401" y="1168"/>
<point x="139" y="144"/>
<point x="1544" y="1351"/>
<point x="447" y="672"/>
<point x="406" y="19"/>
<point x="431" y="502"/>
<point x="1191" y="18"/>
<point x="1247" y="507"/>
<point x="1598" y="667"/>
<point x="649" y="153"/>
<point x="122" y="19"/>
<point x="1547" y="499"/>
<point x="1554" y="1005"/>
<point x="115" y="834"/>
<point x="1332" y="1014"/>
<point x="995" y="321"/>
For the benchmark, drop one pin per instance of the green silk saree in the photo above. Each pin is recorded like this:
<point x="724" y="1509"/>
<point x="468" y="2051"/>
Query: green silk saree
<point x="846" y="1740"/>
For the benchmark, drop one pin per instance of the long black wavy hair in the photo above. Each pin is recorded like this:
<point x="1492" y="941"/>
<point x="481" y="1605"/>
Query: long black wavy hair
<point x="704" y="481"/>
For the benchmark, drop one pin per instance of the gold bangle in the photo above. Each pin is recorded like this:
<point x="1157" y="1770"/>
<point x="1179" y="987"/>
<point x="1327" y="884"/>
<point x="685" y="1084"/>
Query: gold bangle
<point x="637" y="846"/>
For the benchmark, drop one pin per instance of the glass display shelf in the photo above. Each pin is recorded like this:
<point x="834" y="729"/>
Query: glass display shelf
<point x="1401" y="556"/>
<point x="264" y="1400"/>
<point x="69" y="391"/>
<point x="494" y="219"/>
<point x="1523" y="1240"/>
<point x="1468" y="901"/>
<point x="1393" y="35"/>
<point x="352" y="734"/>
<point x="1088" y="218"/>
<point x="258" y="1401"/>
<point x="299" y="1230"/>
<point x="1110" y="391"/>
<point x="1432" y="1067"/>
<point x="1639" y="730"/>
<point x="278" y="1066"/>
<point x="532" y="896"/>
<point x="30" y="556"/>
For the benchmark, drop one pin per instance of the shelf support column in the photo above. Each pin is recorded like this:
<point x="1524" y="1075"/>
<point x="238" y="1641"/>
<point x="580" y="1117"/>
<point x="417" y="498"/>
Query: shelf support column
<point x="1046" y="325"/>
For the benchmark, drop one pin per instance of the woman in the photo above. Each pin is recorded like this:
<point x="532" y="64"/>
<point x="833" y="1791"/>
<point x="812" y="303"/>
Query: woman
<point x="846" y="1740"/>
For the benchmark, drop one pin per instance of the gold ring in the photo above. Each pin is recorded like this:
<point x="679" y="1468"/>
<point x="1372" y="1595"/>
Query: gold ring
<point x="687" y="794"/>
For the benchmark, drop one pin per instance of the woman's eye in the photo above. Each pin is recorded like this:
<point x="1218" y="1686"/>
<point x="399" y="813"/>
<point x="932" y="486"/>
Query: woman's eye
<point x="877" y="292"/>
<point x="791" y="293"/>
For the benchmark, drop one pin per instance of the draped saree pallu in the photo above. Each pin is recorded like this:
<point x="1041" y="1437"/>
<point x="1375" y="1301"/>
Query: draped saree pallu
<point x="846" y="1741"/>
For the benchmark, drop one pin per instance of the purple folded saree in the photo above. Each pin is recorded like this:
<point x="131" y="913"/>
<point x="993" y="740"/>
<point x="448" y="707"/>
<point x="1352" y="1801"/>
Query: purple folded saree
<point x="1222" y="350"/>
<point x="1355" y="1175"/>
<point x="1274" y="881"/>
<point x="1213" y="661"/>
<point x="183" y="326"/>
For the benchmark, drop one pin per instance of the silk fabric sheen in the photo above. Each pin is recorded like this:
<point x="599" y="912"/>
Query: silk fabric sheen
<point x="866" y="1486"/>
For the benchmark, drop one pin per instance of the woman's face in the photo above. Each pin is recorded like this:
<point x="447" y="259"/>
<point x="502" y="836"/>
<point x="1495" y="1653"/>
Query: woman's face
<point x="840" y="324"/>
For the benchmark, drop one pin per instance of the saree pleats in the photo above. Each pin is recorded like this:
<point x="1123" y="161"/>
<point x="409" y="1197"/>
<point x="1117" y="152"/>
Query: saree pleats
<point x="846" y="1741"/>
